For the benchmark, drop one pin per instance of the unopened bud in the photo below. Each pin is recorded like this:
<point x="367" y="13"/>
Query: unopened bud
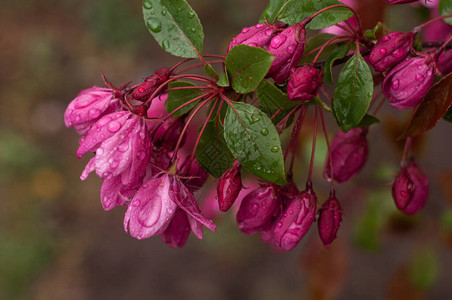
<point x="295" y="220"/>
<point x="257" y="209"/>
<point x="410" y="189"/>
<point x="304" y="83"/>
<point x="287" y="47"/>
<point x="348" y="154"/>
<point x="256" y="36"/>
<point x="408" y="82"/>
<point x="330" y="217"/>
<point x="390" y="50"/>
<point x="146" y="88"/>
<point x="229" y="186"/>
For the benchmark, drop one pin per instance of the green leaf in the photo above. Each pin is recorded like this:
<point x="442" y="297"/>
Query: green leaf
<point x="175" y="26"/>
<point x="213" y="153"/>
<point x="271" y="97"/>
<point x="337" y="53"/>
<point x="254" y="141"/>
<point x="353" y="92"/>
<point x="315" y="42"/>
<point x="424" y="270"/>
<point x="445" y="8"/>
<point x="247" y="66"/>
<point x="448" y="115"/>
<point x="376" y="32"/>
<point x="295" y="11"/>
<point x="223" y="80"/>
<point x="368" y="120"/>
<point x="178" y="97"/>
<point x="271" y="11"/>
<point x="211" y="72"/>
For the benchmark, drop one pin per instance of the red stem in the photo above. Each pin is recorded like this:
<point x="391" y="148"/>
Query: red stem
<point x="418" y="28"/>
<point x="406" y="149"/>
<point x="202" y="130"/>
<point x="309" y="181"/>
<point x="329" y="151"/>
<point x="294" y="139"/>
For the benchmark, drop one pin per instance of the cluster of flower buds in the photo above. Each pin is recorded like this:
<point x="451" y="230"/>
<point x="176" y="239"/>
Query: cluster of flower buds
<point x="286" y="45"/>
<point x="132" y="157"/>
<point x="410" y="189"/>
<point x="348" y="154"/>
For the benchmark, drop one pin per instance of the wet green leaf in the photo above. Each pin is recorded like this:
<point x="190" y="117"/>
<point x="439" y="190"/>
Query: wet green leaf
<point x="211" y="72"/>
<point x="254" y="141"/>
<point x="223" y="80"/>
<point x="246" y="67"/>
<point x="271" y="11"/>
<point x="295" y="11"/>
<point x="175" y="26"/>
<point x="445" y="8"/>
<point x="338" y="53"/>
<point x="213" y="153"/>
<point x="271" y="97"/>
<point x="353" y="93"/>
<point x="178" y="97"/>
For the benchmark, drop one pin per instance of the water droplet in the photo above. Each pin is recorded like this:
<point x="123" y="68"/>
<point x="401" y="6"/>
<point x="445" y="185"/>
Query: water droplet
<point x="193" y="29"/>
<point x="94" y="112"/>
<point x="386" y="38"/>
<point x="264" y="131"/>
<point x="277" y="41"/>
<point x="395" y="84"/>
<point x="123" y="147"/>
<point x="420" y="67"/>
<point x="99" y="151"/>
<point x="268" y="32"/>
<point x="163" y="12"/>
<point x="191" y="15"/>
<point x="420" y="77"/>
<point x="403" y="194"/>
<point x="114" y="164"/>
<point x="154" y="25"/>
<point x="291" y="49"/>
<point x="259" y="25"/>
<point x="255" y="207"/>
<point x="279" y="224"/>
<point x="113" y="126"/>
<point x="398" y="53"/>
<point x="165" y="44"/>
<point x="245" y="29"/>
<point x="383" y="51"/>
<point x="147" y="4"/>
<point x="274" y="149"/>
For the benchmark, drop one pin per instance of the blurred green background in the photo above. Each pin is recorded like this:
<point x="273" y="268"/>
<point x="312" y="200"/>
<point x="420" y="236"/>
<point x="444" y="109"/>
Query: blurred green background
<point x="56" y="242"/>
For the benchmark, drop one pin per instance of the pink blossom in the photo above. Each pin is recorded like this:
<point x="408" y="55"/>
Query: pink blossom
<point x="89" y="105"/>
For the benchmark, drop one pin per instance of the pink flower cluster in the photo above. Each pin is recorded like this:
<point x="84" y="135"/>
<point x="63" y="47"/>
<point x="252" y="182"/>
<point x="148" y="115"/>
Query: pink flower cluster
<point x="131" y="155"/>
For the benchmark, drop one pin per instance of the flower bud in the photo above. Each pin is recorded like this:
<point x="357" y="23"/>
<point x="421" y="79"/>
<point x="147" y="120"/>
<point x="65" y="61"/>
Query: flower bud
<point x="348" y="154"/>
<point x="257" y="209"/>
<point x="287" y="47"/>
<point x="408" y="82"/>
<point x="410" y="189"/>
<point x="304" y="83"/>
<point x="146" y="88"/>
<point x="258" y="35"/>
<point x="330" y="217"/>
<point x="295" y="220"/>
<point x="390" y="50"/>
<point x="400" y="1"/>
<point x="229" y="186"/>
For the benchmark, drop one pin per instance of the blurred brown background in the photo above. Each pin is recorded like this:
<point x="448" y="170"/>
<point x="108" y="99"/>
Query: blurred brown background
<point x="56" y="242"/>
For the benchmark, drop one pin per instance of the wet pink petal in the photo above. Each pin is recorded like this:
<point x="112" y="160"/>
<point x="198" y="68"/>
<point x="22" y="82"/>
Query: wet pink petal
<point x="151" y="209"/>
<point x="113" y="193"/>
<point x="177" y="232"/>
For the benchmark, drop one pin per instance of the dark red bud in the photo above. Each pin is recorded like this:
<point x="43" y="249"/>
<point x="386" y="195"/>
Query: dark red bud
<point x="330" y="217"/>
<point x="304" y="83"/>
<point x="348" y="153"/>
<point x="256" y="36"/>
<point x="390" y="50"/>
<point x="257" y="209"/>
<point x="229" y="186"/>
<point x="410" y="189"/>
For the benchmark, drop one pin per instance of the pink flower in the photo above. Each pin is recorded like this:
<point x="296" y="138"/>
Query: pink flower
<point x="154" y="206"/>
<point x="122" y="146"/>
<point x="90" y="105"/>
<point x="113" y="193"/>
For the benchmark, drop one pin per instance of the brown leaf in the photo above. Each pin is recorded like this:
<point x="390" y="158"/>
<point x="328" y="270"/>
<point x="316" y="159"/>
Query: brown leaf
<point x="432" y="108"/>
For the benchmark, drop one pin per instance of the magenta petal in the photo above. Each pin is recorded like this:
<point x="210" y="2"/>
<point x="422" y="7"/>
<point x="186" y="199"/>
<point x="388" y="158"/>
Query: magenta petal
<point x="103" y="129"/>
<point x="177" y="232"/>
<point x="151" y="210"/>
<point x="185" y="199"/>
<point x="196" y="227"/>
<point x="113" y="193"/>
